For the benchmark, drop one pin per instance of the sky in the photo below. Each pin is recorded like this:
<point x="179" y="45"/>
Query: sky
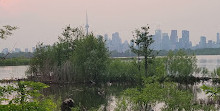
<point x="44" y="20"/>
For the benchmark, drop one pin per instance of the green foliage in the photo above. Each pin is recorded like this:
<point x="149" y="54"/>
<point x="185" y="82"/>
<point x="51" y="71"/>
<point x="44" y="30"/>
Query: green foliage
<point x="122" y="70"/>
<point x="143" y="40"/>
<point x="44" y="105"/>
<point x="204" y="51"/>
<point x="181" y="64"/>
<point x="42" y="62"/>
<point x="18" y="55"/>
<point x="90" y="57"/>
<point x="6" y="31"/>
<point x="26" y="97"/>
<point x="75" y="58"/>
<point x="126" y="70"/>
<point x="127" y="53"/>
<point x="122" y="105"/>
<point x="153" y="93"/>
<point x="24" y="90"/>
<point x="204" y="71"/>
<point x="14" y="62"/>
<point x="213" y="91"/>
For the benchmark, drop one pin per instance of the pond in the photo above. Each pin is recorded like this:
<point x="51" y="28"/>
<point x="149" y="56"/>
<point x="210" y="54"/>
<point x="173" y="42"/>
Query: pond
<point x="101" y="95"/>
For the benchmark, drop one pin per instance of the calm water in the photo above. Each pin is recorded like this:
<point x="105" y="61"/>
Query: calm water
<point x="12" y="72"/>
<point x="7" y="72"/>
<point x="103" y="95"/>
<point x="209" y="61"/>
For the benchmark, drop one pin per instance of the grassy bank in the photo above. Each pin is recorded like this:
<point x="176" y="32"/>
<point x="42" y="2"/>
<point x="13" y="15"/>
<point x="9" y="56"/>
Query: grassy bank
<point x="14" y="62"/>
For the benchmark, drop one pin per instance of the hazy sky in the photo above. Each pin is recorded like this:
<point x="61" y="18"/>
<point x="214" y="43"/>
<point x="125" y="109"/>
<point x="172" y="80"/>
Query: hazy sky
<point x="43" y="20"/>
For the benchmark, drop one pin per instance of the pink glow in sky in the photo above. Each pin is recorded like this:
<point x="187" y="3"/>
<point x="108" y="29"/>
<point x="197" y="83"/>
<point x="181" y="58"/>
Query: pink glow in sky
<point x="43" y="20"/>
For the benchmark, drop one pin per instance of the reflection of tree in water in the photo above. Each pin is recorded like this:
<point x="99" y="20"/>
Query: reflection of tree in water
<point x="86" y="95"/>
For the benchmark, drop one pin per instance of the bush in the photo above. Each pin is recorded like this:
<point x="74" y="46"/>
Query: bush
<point x="121" y="71"/>
<point x="27" y="97"/>
<point x="154" y="93"/>
<point x="181" y="64"/>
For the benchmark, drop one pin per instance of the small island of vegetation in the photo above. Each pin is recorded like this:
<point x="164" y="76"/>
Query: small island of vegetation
<point x="79" y="58"/>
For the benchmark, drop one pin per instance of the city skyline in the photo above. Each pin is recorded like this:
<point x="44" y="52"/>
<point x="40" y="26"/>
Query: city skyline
<point x="162" y="41"/>
<point x="46" y="23"/>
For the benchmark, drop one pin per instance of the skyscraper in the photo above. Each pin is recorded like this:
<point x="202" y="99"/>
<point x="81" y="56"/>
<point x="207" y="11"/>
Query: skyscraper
<point x="202" y="43"/>
<point x="218" y="39"/>
<point x="173" y="39"/>
<point x="185" y="39"/>
<point x="157" y="40"/>
<point x="26" y="50"/>
<point x="87" y="25"/>
<point x="165" y="41"/>
<point x="209" y="44"/>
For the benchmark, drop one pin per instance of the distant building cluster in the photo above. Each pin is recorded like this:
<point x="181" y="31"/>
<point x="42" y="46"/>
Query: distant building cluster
<point x="162" y="41"/>
<point x="203" y="43"/>
<point x="17" y="50"/>
<point x="115" y="43"/>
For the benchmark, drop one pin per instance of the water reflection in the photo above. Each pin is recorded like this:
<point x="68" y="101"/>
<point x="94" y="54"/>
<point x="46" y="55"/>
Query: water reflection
<point x="86" y="95"/>
<point x="95" y="96"/>
<point x="209" y="61"/>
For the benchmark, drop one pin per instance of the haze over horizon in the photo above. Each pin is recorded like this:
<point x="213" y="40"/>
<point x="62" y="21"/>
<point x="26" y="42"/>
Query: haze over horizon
<point x="43" y="20"/>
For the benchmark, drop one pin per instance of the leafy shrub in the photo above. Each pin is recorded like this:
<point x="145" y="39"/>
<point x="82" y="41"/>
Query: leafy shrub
<point x="154" y="93"/>
<point x="181" y="64"/>
<point x="25" y="97"/>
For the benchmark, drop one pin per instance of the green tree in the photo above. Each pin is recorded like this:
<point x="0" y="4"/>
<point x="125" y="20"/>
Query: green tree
<point x="75" y="57"/>
<point x="143" y="40"/>
<point x="90" y="57"/>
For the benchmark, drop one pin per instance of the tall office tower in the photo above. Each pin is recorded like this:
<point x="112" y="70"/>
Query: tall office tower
<point x="218" y="39"/>
<point x="87" y="25"/>
<point x="209" y="44"/>
<point x="26" y="50"/>
<point x="173" y="39"/>
<point x="165" y="41"/>
<point x="116" y="42"/>
<point x="157" y="39"/>
<point x="125" y="46"/>
<point x="202" y="43"/>
<point x="185" y="39"/>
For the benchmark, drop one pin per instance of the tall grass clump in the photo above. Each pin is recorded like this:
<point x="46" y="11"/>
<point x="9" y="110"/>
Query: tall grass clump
<point x="120" y="70"/>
